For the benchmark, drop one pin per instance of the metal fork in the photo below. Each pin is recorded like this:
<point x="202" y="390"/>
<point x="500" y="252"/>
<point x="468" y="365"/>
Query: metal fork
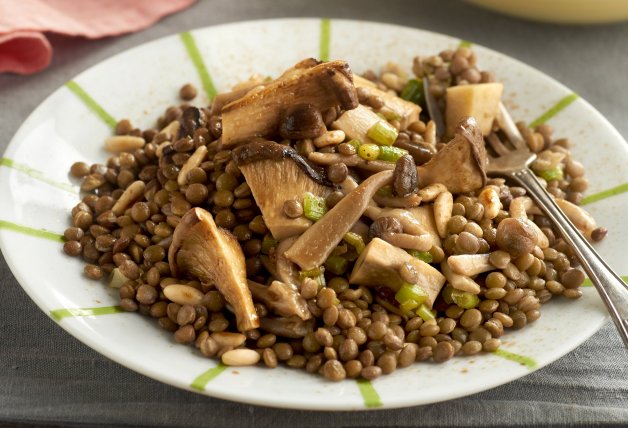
<point x="513" y="164"/>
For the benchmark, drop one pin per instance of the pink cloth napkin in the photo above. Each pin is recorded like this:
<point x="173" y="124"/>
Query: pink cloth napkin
<point x="24" y="48"/>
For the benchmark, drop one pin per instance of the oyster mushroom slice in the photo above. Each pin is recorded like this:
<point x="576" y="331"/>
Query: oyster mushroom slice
<point x="258" y="113"/>
<point x="461" y="164"/>
<point x="380" y="262"/>
<point x="281" y="299"/>
<point x="313" y="247"/>
<point x="277" y="173"/>
<point x="407" y="111"/>
<point x="200" y="249"/>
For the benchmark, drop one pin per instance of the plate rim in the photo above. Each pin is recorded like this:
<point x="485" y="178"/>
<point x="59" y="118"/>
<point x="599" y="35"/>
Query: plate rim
<point x="399" y="402"/>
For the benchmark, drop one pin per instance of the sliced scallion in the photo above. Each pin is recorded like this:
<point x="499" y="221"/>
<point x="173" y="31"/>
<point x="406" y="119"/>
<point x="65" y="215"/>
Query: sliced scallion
<point x="413" y="92"/>
<point x="464" y="299"/>
<point x="368" y="151"/>
<point x="424" y="256"/>
<point x="336" y="264"/>
<point x="552" y="174"/>
<point x="355" y="241"/>
<point x="382" y="133"/>
<point x="314" y="207"/>
<point x="391" y="153"/>
<point x="411" y="292"/>
<point x="425" y="313"/>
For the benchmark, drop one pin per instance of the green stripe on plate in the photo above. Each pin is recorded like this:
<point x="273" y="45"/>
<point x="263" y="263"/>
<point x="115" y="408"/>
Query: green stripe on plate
<point x="59" y="314"/>
<point x="190" y="45"/>
<point x="325" y="39"/>
<point x="370" y="396"/>
<point x="587" y="282"/>
<point x="91" y="103"/>
<point x="37" y="175"/>
<point x="38" y="233"/>
<point x="465" y="44"/>
<point x="521" y="359"/>
<point x="622" y="188"/>
<point x="201" y="382"/>
<point x="554" y="110"/>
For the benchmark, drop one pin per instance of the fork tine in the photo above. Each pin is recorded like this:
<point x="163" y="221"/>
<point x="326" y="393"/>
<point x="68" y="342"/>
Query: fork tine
<point x="507" y="125"/>
<point x="496" y="144"/>
<point x="432" y="108"/>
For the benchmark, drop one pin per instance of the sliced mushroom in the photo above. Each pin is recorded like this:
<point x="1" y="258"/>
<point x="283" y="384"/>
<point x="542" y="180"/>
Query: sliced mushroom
<point x="411" y="224"/>
<point x="356" y="122"/>
<point x="258" y="114"/>
<point x="410" y="201"/>
<point x="281" y="299"/>
<point x="470" y="264"/>
<point x="316" y="244"/>
<point x="390" y="230"/>
<point x="461" y="164"/>
<point x="293" y="327"/>
<point x="459" y="282"/>
<point x="381" y="262"/>
<point x="199" y="248"/>
<point x="406" y="111"/>
<point x="277" y="173"/>
<point x="302" y="121"/>
<point x="424" y="215"/>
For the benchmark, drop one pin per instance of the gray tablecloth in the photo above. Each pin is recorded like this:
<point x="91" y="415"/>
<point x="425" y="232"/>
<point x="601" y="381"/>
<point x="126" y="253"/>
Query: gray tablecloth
<point x="49" y="378"/>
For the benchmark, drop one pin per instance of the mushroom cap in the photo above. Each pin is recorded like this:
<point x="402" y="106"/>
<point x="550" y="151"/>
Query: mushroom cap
<point x="461" y="164"/>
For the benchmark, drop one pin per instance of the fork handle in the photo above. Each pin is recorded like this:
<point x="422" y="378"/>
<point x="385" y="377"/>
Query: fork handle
<point x="612" y="289"/>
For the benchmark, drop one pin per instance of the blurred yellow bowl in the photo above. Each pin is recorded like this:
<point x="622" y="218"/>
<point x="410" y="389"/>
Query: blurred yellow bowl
<point x="561" y="11"/>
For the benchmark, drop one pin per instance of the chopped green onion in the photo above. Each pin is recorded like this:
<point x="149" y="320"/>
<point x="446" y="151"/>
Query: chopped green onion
<point x="391" y="153"/>
<point x="336" y="264"/>
<point x="447" y="294"/>
<point x="424" y="256"/>
<point x="368" y="151"/>
<point x="312" y="273"/>
<point x="317" y="274"/>
<point x="381" y="115"/>
<point x="314" y="207"/>
<point x="552" y="174"/>
<point x="464" y="299"/>
<point x="385" y="191"/>
<point x="411" y="292"/>
<point x="355" y="241"/>
<point x="268" y="243"/>
<point x="355" y="143"/>
<point x="425" y="313"/>
<point x="382" y="133"/>
<point x="413" y="92"/>
<point x="407" y="306"/>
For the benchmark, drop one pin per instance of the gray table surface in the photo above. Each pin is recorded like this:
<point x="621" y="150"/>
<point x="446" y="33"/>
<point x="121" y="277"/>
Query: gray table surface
<point x="49" y="378"/>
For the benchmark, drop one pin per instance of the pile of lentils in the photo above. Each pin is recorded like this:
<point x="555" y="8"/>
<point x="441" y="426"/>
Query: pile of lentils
<point x="355" y="336"/>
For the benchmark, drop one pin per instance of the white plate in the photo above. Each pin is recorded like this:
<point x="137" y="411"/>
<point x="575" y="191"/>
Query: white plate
<point x="139" y="83"/>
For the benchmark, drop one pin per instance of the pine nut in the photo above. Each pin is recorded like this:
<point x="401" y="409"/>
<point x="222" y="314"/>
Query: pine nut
<point x="193" y="161"/>
<point x="132" y="193"/>
<point x="123" y="143"/>
<point x="240" y="357"/>
<point x="183" y="294"/>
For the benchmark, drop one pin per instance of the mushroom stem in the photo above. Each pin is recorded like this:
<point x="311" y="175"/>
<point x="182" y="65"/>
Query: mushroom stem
<point x="578" y="216"/>
<point x="316" y="244"/>
<point x="470" y="264"/>
<point x="350" y="160"/>
<point x="411" y="201"/>
<point x="408" y="242"/>
<point x="409" y="223"/>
